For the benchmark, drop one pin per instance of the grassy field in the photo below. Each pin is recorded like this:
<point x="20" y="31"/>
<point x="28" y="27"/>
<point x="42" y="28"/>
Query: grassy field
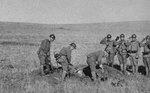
<point x="19" y="63"/>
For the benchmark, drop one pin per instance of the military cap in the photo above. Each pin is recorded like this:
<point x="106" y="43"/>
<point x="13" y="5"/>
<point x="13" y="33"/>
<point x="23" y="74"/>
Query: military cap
<point x="148" y="37"/>
<point x="52" y="36"/>
<point x="134" y="36"/>
<point x="122" y="35"/>
<point x="109" y="36"/>
<point x="74" y="45"/>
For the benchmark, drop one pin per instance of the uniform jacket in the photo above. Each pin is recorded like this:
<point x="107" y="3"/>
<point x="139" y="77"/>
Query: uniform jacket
<point x="146" y="52"/>
<point x="45" y="46"/>
<point x="122" y="46"/>
<point x="110" y="45"/>
<point x="66" y="51"/>
<point x="96" y="54"/>
<point x="133" y="45"/>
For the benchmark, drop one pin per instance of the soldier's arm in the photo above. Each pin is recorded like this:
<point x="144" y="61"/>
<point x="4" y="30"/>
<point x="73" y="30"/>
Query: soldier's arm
<point x="103" y="41"/>
<point x="48" y="54"/>
<point x="42" y="44"/>
<point x="142" y="44"/>
<point x="69" y="55"/>
<point x="115" y="43"/>
<point x="100" y="60"/>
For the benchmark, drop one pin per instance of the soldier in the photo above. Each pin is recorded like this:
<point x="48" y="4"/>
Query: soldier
<point x="110" y="49"/>
<point x="92" y="58"/>
<point x="133" y="51"/>
<point x="44" y="55"/>
<point x="64" y="59"/>
<point x="122" y="52"/>
<point x="146" y="54"/>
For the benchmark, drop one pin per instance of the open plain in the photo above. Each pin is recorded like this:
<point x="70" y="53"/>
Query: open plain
<point x="19" y="63"/>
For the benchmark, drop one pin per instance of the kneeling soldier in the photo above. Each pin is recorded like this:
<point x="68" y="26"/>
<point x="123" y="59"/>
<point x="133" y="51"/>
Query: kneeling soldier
<point x="92" y="58"/>
<point x="44" y="55"/>
<point x="146" y="54"/>
<point x="64" y="59"/>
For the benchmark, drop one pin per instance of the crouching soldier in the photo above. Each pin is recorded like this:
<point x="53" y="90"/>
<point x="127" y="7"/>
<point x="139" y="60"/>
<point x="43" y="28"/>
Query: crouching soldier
<point x="110" y="49"/>
<point x="146" y="54"/>
<point x="122" y="52"/>
<point x="64" y="59"/>
<point x="93" y="59"/>
<point x="44" y="55"/>
<point x="133" y="51"/>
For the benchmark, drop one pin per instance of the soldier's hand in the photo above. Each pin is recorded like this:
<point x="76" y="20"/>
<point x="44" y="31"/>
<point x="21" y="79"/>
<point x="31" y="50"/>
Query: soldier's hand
<point x="117" y="38"/>
<point x="137" y="56"/>
<point x="70" y="64"/>
<point x="105" y="54"/>
<point x="147" y="36"/>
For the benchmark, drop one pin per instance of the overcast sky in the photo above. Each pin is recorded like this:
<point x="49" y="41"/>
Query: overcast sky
<point x="74" y="11"/>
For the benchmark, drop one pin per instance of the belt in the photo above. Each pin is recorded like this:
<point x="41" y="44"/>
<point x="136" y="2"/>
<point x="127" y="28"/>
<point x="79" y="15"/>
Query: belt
<point x="146" y="53"/>
<point x="132" y="51"/>
<point x="63" y="55"/>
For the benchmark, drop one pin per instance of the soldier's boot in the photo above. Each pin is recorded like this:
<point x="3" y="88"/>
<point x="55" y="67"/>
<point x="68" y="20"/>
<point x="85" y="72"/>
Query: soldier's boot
<point x="134" y="69"/>
<point x="63" y="76"/>
<point x="124" y="69"/>
<point x="94" y="76"/>
<point x="148" y="75"/>
<point x="121" y="66"/>
<point x="147" y="72"/>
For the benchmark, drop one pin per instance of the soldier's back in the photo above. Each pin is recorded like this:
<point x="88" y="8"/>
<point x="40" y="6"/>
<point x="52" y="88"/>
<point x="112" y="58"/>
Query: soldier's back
<point x="96" y="54"/>
<point x="45" y="45"/>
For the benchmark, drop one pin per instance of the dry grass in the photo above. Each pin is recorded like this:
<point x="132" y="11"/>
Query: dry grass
<point x="19" y="62"/>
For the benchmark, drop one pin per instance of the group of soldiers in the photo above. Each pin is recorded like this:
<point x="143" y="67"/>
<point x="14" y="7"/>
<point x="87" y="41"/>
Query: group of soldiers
<point x="119" y="47"/>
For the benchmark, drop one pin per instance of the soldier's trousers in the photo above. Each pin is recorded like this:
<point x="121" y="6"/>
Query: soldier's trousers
<point x="110" y="58"/>
<point x="146" y="61"/>
<point x="92" y="63"/>
<point x="45" y="62"/>
<point x="64" y="63"/>
<point x="122" y="58"/>
<point x="67" y="68"/>
<point x="134" y="62"/>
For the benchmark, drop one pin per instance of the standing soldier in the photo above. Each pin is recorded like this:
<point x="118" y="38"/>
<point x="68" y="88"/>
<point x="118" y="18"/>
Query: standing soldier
<point x="110" y="49"/>
<point x="122" y="52"/>
<point x="93" y="59"/>
<point x="146" y="54"/>
<point x="64" y="59"/>
<point x="133" y="51"/>
<point x="44" y="55"/>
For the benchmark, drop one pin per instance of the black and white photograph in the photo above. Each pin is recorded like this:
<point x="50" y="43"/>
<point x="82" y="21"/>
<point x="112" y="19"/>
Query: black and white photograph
<point x="74" y="46"/>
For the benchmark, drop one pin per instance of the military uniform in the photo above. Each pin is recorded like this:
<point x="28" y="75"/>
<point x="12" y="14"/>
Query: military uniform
<point x="122" y="54"/>
<point x="146" y="55"/>
<point x="92" y="58"/>
<point x="133" y="51"/>
<point x="44" y="54"/>
<point x="110" y="49"/>
<point x="64" y="59"/>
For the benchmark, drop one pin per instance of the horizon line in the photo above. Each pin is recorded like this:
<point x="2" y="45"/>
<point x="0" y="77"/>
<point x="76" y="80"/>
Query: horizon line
<point x="73" y="23"/>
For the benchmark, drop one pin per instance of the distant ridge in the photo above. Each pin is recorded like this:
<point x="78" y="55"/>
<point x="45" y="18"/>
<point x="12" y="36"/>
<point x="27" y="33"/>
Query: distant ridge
<point x="5" y="22"/>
